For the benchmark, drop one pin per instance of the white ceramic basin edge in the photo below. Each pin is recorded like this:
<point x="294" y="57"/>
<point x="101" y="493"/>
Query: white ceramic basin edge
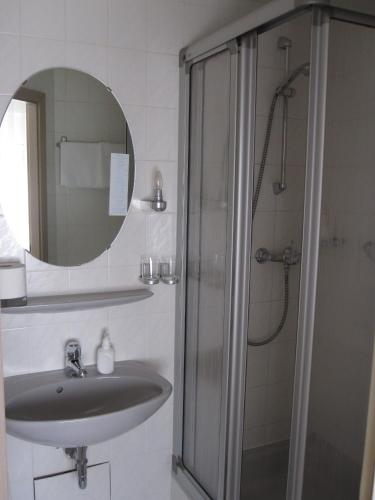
<point x="49" y="408"/>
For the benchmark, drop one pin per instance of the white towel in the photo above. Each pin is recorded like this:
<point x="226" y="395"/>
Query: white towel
<point x="87" y="164"/>
<point x="81" y="165"/>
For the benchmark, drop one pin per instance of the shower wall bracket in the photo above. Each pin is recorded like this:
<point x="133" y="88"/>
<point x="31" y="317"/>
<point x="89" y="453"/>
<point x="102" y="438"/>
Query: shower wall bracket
<point x="285" y="44"/>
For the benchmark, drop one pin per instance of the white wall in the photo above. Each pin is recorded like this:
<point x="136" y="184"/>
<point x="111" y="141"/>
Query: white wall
<point x="132" y="46"/>
<point x="278" y="222"/>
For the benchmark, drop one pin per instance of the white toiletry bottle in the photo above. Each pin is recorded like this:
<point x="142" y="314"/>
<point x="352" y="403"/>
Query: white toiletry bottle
<point x="105" y="356"/>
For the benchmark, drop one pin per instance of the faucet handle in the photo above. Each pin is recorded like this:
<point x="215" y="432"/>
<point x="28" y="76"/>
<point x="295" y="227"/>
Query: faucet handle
<point x="262" y="255"/>
<point x="73" y="349"/>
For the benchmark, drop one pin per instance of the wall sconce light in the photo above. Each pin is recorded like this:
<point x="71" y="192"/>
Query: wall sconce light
<point x="157" y="202"/>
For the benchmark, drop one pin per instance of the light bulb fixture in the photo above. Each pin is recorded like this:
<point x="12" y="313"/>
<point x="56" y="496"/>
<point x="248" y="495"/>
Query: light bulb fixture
<point x="157" y="202"/>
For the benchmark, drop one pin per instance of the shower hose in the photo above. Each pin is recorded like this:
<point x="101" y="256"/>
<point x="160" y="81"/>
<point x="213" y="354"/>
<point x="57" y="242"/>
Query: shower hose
<point x="273" y="335"/>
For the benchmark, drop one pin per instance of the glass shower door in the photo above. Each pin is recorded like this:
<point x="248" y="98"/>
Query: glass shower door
<point x="207" y="289"/>
<point x="344" y="315"/>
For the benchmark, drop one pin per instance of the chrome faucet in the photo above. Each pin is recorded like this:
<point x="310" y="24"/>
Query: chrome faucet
<point x="289" y="256"/>
<point x="73" y="360"/>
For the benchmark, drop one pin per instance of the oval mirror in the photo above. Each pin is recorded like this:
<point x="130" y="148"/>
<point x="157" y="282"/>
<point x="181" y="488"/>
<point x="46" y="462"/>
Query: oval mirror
<point x="66" y="166"/>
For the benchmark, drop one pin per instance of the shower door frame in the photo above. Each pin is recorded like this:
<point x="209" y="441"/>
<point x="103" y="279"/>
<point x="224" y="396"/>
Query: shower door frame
<point x="241" y="38"/>
<point x="241" y="149"/>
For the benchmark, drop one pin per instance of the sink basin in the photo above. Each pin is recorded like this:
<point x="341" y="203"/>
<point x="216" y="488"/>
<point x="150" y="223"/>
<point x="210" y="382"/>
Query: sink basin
<point x="49" y="408"/>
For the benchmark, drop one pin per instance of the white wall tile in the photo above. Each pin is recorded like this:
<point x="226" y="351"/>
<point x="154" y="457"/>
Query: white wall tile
<point x="9" y="16"/>
<point x="128" y="336"/>
<point x="159" y="428"/>
<point x="10" y="62"/>
<point x="267" y="199"/>
<point x="257" y="366"/>
<point x="158" y="480"/>
<point x="47" y="282"/>
<point x="136" y="118"/>
<point x="38" y="55"/>
<point x="259" y="320"/>
<point x="230" y="10"/>
<point x="278" y="431"/>
<point x="162" y="80"/>
<point x="48" y="460"/>
<point x="198" y="20"/>
<point x="255" y="405"/>
<point x="160" y="343"/>
<point x="43" y="18"/>
<point x="16" y="351"/>
<point x="86" y="21"/>
<point x="263" y="231"/>
<point x="130" y="243"/>
<point x="65" y="485"/>
<point x="268" y="79"/>
<point x="47" y="346"/>
<point x="19" y="459"/>
<point x="127" y="74"/>
<point x="124" y="276"/>
<point x="261" y="278"/>
<point x="254" y="437"/>
<point x="127" y="24"/>
<point x="23" y="489"/>
<point x="176" y="492"/>
<point x="128" y="473"/>
<point x="281" y="362"/>
<point x="89" y="58"/>
<point x="278" y="402"/>
<point x="165" y="32"/>
<point x="160" y="234"/>
<point x="81" y="279"/>
<point x="161" y="134"/>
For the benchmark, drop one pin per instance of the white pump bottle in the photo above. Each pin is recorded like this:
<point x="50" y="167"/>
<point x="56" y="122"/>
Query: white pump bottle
<point x="105" y="355"/>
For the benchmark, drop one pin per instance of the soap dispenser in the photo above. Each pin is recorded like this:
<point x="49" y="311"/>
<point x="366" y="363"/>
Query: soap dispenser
<point x="105" y="355"/>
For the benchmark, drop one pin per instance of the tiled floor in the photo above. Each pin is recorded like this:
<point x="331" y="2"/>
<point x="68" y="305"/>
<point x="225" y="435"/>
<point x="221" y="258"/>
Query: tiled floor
<point x="264" y="472"/>
<point x="329" y="473"/>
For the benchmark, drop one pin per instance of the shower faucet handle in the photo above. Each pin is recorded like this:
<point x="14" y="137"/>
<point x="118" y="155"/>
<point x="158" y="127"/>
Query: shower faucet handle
<point x="289" y="256"/>
<point x="262" y="255"/>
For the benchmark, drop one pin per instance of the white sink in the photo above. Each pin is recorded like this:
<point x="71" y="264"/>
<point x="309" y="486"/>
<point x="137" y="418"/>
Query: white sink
<point x="49" y="408"/>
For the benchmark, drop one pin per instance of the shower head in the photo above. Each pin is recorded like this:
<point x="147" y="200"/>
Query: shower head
<point x="303" y="69"/>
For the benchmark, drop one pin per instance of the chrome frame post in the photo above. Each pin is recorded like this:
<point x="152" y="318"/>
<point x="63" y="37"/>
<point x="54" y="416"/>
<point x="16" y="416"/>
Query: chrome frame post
<point x="181" y="242"/>
<point x="225" y="424"/>
<point x="243" y="189"/>
<point x="184" y="478"/>
<point x="310" y="249"/>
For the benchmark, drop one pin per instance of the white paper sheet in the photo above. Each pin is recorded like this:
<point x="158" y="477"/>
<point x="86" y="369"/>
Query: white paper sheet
<point x="118" y="187"/>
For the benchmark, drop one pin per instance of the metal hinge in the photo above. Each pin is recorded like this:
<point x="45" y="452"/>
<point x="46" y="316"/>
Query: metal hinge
<point x="184" y="62"/>
<point x="176" y="463"/>
<point x="233" y="46"/>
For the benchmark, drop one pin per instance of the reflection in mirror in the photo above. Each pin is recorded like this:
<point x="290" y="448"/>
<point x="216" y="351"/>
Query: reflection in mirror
<point x="66" y="167"/>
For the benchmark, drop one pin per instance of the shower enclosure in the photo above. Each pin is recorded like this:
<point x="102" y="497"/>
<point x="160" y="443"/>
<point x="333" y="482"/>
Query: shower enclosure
<point x="276" y="251"/>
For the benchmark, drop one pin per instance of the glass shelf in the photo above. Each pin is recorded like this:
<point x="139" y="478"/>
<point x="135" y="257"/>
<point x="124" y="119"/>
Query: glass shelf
<point x="78" y="301"/>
